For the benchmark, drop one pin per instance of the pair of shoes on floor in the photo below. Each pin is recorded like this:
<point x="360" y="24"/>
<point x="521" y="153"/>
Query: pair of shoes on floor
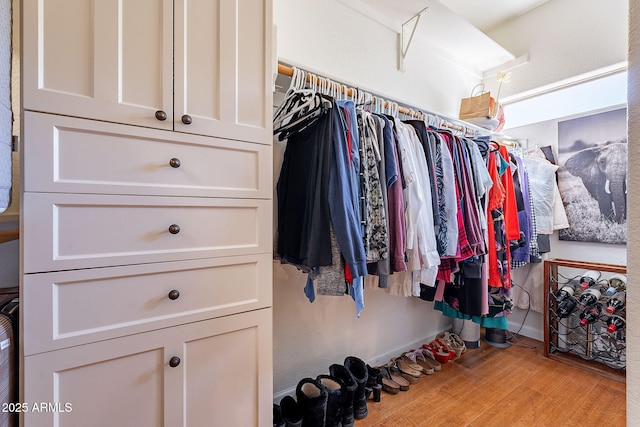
<point x="392" y="379"/>
<point x="287" y="413"/>
<point x="409" y="370"/>
<point x="425" y="359"/>
<point x="454" y="342"/>
<point x="440" y="350"/>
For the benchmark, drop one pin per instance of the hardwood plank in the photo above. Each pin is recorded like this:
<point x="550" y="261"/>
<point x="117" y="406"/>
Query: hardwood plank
<point x="514" y="386"/>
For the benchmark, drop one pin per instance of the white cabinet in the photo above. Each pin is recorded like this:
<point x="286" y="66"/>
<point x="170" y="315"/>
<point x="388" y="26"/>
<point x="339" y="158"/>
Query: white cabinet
<point x="209" y="373"/>
<point x="146" y="241"/>
<point x="116" y="61"/>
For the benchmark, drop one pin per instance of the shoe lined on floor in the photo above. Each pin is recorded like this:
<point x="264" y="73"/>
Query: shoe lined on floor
<point x="443" y="344"/>
<point x="442" y="354"/>
<point x="397" y="376"/>
<point x="277" y="416"/>
<point x="350" y="385"/>
<point x="454" y="342"/>
<point x="358" y="369"/>
<point x="388" y="384"/>
<point x="334" y="387"/>
<point x="374" y="383"/>
<point x="429" y="358"/>
<point x="291" y="412"/>
<point x="409" y="373"/>
<point x="312" y="399"/>
<point x="418" y="358"/>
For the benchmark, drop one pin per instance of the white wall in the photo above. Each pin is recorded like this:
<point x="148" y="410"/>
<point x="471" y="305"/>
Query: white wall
<point x="335" y="40"/>
<point x="633" y="231"/>
<point x="563" y="38"/>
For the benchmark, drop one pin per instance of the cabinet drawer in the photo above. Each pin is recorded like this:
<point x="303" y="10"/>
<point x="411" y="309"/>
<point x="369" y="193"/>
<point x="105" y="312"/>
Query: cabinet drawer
<point x="223" y="377"/>
<point x="81" y="306"/>
<point x="64" y="154"/>
<point x="72" y="231"/>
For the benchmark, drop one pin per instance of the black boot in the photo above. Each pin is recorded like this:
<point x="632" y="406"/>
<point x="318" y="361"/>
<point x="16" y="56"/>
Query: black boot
<point x="277" y="416"/>
<point x="334" y="387"/>
<point x="350" y="385"/>
<point x="312" y="399"/>
<point x="291" y="412"/>
<point x="358" y="369"/>
<point x="374" y="382"/>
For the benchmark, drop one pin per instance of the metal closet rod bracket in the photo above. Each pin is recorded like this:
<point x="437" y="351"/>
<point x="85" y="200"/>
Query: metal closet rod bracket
<point x="402" y="49"/>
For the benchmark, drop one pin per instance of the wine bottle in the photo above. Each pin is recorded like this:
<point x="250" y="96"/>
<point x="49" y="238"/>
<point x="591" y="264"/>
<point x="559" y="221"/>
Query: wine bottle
<point x="616" y="302"/>
<point x="590" y="314"/>
<point x="589" y="278"/>
<point x="618" y="281"/>
<point x="615" y="323"/>
<point x="566" y="291"/>
<point x="566" y="307"/>
<point x="589" y="297"/>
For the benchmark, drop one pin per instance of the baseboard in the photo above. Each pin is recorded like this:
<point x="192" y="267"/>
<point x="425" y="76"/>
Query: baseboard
<point x="375" y="361"/>
<point x="527" y="331"/>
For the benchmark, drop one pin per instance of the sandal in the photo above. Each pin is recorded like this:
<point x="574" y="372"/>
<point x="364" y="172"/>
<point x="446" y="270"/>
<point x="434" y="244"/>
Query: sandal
<point x="418" y="358"/>
<point x="442" y="354"/>
<point x="429" y="358"/>
<point x="389" y="385"/>
<point x="396" y="376"/>
<point x="405" y="370"/>
<point x="413" y="364"/>
<point x="454" y="342"/>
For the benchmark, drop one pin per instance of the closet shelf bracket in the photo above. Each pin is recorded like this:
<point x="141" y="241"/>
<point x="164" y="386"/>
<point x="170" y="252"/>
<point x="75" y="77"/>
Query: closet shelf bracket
<point x="402" y="49"/>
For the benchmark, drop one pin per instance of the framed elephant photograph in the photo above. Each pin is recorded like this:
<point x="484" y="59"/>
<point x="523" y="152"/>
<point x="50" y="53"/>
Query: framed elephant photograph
<point x="592" y="178"/>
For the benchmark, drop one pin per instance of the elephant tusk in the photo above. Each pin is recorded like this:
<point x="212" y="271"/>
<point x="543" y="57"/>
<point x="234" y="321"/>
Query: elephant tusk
<point x="606" y="187"/>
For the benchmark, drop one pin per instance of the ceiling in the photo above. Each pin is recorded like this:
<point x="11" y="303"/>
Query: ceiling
<point x="455" y="28"/>
<point x="487" y="14"/>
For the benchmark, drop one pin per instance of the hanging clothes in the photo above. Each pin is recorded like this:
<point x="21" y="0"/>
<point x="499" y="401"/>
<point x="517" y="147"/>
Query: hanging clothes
<point x="417" y="210"/>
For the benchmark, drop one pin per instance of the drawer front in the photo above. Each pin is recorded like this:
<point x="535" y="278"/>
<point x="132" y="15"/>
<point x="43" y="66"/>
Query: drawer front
<point x="81" y="306"/>
<point x="73" y="231"/>
<point x="64" y="154"/>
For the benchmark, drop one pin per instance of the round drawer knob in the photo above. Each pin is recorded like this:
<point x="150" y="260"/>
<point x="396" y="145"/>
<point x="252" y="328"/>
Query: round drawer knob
<point x="174" y="361"/>
<point x="174" y="294"/>
<point x="186" y="119"/>
<point x="174" y="163"/>
<point x="174" y="229"/>
<point x="161" y="115"/>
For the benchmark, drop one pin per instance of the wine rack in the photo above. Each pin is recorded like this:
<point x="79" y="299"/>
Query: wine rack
<point x="591" y="347"/>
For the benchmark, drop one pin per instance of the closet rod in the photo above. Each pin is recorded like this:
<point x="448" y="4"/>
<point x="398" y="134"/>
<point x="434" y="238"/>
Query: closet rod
<point x="449" y="122"/>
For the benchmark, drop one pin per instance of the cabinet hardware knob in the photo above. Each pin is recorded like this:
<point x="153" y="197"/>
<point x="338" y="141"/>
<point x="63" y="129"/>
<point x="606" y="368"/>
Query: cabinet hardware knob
<point x="174" y="361"/>
<point x="161" y="115"/>
<point x="174" y="294"/>
<point x="174" y="229"/>
<point x="186" y="119"/>
<point x="174" y="163"/>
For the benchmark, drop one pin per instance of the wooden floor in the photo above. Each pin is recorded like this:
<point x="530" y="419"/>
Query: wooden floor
<point x="514" y="386"/>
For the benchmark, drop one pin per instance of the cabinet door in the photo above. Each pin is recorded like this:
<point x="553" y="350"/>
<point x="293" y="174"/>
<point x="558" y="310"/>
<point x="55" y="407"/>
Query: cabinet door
<point x="108" y="60"/>
<point x="223" y="68"/>
<point x="222" y="377"/>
